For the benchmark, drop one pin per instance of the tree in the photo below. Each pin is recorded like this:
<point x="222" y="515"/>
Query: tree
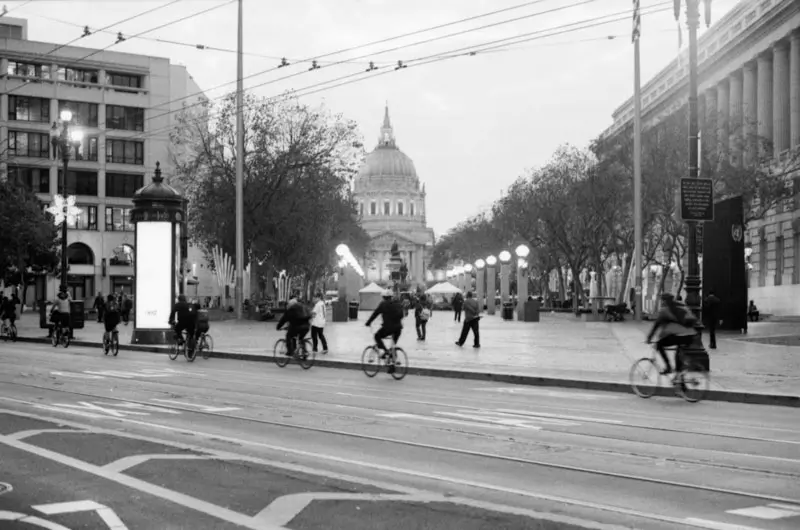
<point x="298" y="164"/>
<point x="28" y="240"/>
<point x="477" y="237"/>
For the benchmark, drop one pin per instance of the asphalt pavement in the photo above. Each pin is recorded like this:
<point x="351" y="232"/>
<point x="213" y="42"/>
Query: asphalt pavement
<point x="137" y="441"/>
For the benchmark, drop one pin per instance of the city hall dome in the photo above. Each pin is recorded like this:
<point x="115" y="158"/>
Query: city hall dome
<point x="387" y="160"/>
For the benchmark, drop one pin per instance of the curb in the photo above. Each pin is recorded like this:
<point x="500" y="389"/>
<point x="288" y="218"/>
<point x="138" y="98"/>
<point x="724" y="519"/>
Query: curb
<point x="749" y="398"/>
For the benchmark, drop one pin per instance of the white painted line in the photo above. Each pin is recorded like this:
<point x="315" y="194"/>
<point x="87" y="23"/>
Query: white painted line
<point x="770" y="512"/>
<point x="31" y="520"/>
<point x="716" y="525"/>
<point x="21" y="435"/>
<point x="543" y="392"/>
<point x="67" y="411"/>
<point x="86" y="406"/>
<point x="124" y="464"/>
<point x="487" y="419"/>
<point x="77" y="376"/>
<point x="442" y="420"/>
<point x="137" y="406"/>
<point x="791" y="507"/>
<point x="561" y="416"/>
<point x="204" y="408"/>
<point x="106" y="514"/>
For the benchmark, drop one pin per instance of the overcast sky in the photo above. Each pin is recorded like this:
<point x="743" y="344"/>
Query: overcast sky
<point x="472" y="124"/>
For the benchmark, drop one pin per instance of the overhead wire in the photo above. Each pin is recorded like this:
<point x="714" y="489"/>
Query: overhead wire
<point x="7" y="11"/>
<point x="438" y="57"/>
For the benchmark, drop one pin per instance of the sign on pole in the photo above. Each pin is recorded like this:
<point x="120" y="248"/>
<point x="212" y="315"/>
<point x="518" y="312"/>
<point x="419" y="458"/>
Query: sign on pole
<point x="697" y="199"/>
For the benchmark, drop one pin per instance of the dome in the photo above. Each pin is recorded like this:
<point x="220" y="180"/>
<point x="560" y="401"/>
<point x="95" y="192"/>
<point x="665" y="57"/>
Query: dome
<point x="387" y="161"/>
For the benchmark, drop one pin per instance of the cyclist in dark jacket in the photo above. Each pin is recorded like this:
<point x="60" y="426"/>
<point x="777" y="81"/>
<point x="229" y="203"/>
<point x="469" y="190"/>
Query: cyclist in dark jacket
<point x="391" y="310"/>
<point x="298" y="317"/>
<point x="186" y="320"/>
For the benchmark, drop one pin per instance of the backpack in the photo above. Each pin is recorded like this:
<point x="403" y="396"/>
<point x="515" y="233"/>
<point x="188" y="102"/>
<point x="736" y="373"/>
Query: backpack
<point x="425" y="314"/>
<point x="112" y="307"/>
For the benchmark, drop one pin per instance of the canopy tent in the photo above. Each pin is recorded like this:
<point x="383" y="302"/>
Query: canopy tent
<point x="370" y="296"/>
<point x="443" y="288"/>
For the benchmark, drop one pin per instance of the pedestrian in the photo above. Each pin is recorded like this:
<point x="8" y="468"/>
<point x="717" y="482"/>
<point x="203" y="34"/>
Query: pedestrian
<point x="99" y="306"/>
<point x="318" y="323"/>
<point x="126" y="305"/>
<point x="711" y="313"/>
<point x="422" y="314"/>
<point x="752" y="312"/>
<point x="458" y="305"/>
<point x="472" y="316"/>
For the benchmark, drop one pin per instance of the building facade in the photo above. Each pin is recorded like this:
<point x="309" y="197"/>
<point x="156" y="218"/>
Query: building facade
<point x="391" y="203"/>
<point x="749" y="86"/>
<point x="124" y="104"/>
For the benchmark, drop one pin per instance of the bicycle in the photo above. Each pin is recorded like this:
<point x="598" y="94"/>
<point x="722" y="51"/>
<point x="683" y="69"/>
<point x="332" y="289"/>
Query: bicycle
<point x="8" y="331"/>
<point x="205" y="344"/>
<point x="60" y="336"/>
<point x="181" y="343"/>
<point x="111" y="342"/>
<point x="302" y="352"/>
<point x="690" y="382"/>
<point x="395" y="360"/>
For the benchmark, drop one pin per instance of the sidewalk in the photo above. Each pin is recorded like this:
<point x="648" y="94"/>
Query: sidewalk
<point x="558" y="351"/>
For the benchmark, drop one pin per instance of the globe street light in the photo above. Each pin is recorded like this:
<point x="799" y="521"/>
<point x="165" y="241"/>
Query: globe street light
<point x="505" y="271"/>
<point x="522" y="251"/>
<point x="64" y="141"/>
<point x="491" y="261"/>
<point x="505" y="257"/>
<point x="480" y="264"/>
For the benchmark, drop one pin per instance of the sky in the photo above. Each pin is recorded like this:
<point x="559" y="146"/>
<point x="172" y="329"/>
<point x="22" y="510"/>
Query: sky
<point x="471" y="123"/>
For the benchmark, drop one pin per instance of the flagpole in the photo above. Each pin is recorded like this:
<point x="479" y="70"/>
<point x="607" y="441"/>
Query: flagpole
<point x="637" y="167"/>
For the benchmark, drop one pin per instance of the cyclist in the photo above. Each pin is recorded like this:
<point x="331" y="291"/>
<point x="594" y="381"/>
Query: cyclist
<point x="675" y="324"/>
<point x="298" y="317"/>
<point x="186" y="321"/>
<point x="111" y="316"/>
<point x="59" y="315"/>
<point x="392" y="312"/>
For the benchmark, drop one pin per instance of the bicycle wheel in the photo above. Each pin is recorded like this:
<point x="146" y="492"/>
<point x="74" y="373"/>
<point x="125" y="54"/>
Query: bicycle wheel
<point x="54" y="338"/>
<point x="209" y="342"/>
<point x="188" y="353"/>
<point x="115" y="344"/>
<point x="174" y="350"/>
<point x="400" y="364"/>
<point x="645" y="377"/>
<point x="279" y="353"/>
<point x="13" y="332"/>
<point x="371" y="361"/>
<point x="306" y="355"/>
<point x="106" y="345"/>
<point x="692" y="384"/>
<point x="4" y="334"/>
<point x="202" y="346"/>
<point x="65" y="339"/>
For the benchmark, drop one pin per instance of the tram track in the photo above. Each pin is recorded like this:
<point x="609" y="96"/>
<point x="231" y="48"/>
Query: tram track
<point x="425" y="446"/>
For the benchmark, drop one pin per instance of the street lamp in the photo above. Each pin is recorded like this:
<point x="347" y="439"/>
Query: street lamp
<point x="491" y="261"/>
<point x="522" y="251"/>
<point x="63" y="207"/>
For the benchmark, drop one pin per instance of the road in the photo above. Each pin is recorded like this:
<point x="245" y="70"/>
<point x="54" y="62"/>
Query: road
<point x="141" y="442"/>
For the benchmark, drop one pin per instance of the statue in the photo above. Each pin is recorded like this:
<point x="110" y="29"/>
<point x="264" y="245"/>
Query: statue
<point x="395" y="249"/>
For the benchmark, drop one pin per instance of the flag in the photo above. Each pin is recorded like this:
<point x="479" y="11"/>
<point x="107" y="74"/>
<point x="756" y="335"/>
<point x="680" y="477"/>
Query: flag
<point x="637" y="21"/>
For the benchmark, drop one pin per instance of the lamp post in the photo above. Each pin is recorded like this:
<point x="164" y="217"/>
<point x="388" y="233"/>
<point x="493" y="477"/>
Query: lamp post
<point x="467" y="277"/>
<point x="693" y="280"/>
<point x="480" y="281"/>
<point x="63" y="208"/>
<point x="491" y="262"/>
<point x="505" y="272"/>
<point x="522" y="253"/>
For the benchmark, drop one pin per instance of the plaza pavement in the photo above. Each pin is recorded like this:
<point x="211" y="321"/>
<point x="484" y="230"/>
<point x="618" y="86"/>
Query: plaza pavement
<point x="560" y="350"/>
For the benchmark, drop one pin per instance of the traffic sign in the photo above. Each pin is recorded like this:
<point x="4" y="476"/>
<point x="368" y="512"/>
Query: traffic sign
<point x="697" y="199"/>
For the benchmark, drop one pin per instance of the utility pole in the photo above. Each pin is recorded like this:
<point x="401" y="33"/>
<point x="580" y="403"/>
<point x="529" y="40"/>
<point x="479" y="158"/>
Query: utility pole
<point x="637" y="167"/>
<point x="239" y="294"/>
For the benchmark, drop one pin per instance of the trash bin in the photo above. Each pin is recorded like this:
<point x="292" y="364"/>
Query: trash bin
<point x="353" y="311"/>
<point x="77" y="315"/>
<point x="508" y="311"/>
<point x="531" y="311"/>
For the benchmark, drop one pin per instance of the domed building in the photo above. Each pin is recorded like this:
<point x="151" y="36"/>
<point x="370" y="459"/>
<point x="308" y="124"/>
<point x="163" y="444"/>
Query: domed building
<point x="391" y="203"/>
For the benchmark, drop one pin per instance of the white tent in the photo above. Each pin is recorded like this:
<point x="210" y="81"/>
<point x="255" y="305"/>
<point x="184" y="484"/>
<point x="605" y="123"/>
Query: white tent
<point x="443" y="288"/>
<point x="372" y="288"/>
<point x="370" y="296"/>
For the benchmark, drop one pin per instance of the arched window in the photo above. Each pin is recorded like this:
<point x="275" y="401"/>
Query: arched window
<point x="80" y="254"/>
<point x="412" y="212"/>
<point x="400" y="208"/>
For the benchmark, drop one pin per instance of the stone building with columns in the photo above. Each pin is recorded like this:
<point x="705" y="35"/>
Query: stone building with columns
<point x="749" y="87"/>
<point x="391" y="203"/>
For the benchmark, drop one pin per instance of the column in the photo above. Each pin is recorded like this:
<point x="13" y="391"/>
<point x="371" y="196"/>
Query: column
<point x="490" y="289"/>
<point x="723" y="108"/>
<point x="780" y="97"/>
<point x="794" y="88"/>
<point x="709" y="133"/>
<point x="505" y="281"/>
<point x="480" y="280"/>
<point x="764" y="98"/>
<point x="735" y="118"/>
<point x="418" y="258"/>
<point x="749" y="109"/>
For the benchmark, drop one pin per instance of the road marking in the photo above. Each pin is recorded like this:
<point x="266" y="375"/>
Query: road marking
<point x="91" y="407"/>
<point x="559" y="416"/>
<point x="204" y="408"/>
<point x="441" y="420"/>
<point x="511" y="420"/>
<point x="5" y="488"/>
<point x="21" y="435"/>
<point x="769" y="512"/>
<point x="137" y="406"/>
<point x="67" y="411"/>
<point x="550" y="393"/>
<point x="124" y="464"/>
<point x="165" y="372"/>
<point x="77" y="375"/>
<point x="716" y="525"/>
<point x="106" y="514"/>
<point x="30" y="519"/>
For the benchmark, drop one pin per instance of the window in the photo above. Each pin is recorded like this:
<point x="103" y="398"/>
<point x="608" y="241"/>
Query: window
<point x="124" y="80"/>
<point x="412" y="209"/>
<point x="81" y="182"/>
<point x="38" y="71"/>
<point x="123" y="184"/>
<point x="86" y="150"/>
<point x="373" y="208"/>
<point x="118" y="220"/>
<point x="125" y="152"/>
<point x="779" y="247"/>
<point x="8" y="31"/>
<point x="22" y="108"/>
<point x="400" y="208"/>
<point x="87" y="219"/>
<point x="35" y="179"/>
<point x="84" y="114"/>
<point x="387" y="208"/>
<point x="76" y="74"/>
<point x="28" y="144"/>
<point x="124" y="118"/>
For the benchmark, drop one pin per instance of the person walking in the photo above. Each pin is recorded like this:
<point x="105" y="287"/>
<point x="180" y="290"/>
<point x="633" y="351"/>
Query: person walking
<point x="126" y="305"/>
<point x="472" y="316"/>
<point x="100" y="306"/>
<point x="318" y="323"/>
<point x="458" y="305"/>
<point x="422" y="313"/>
<point x="711" y="314"/>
